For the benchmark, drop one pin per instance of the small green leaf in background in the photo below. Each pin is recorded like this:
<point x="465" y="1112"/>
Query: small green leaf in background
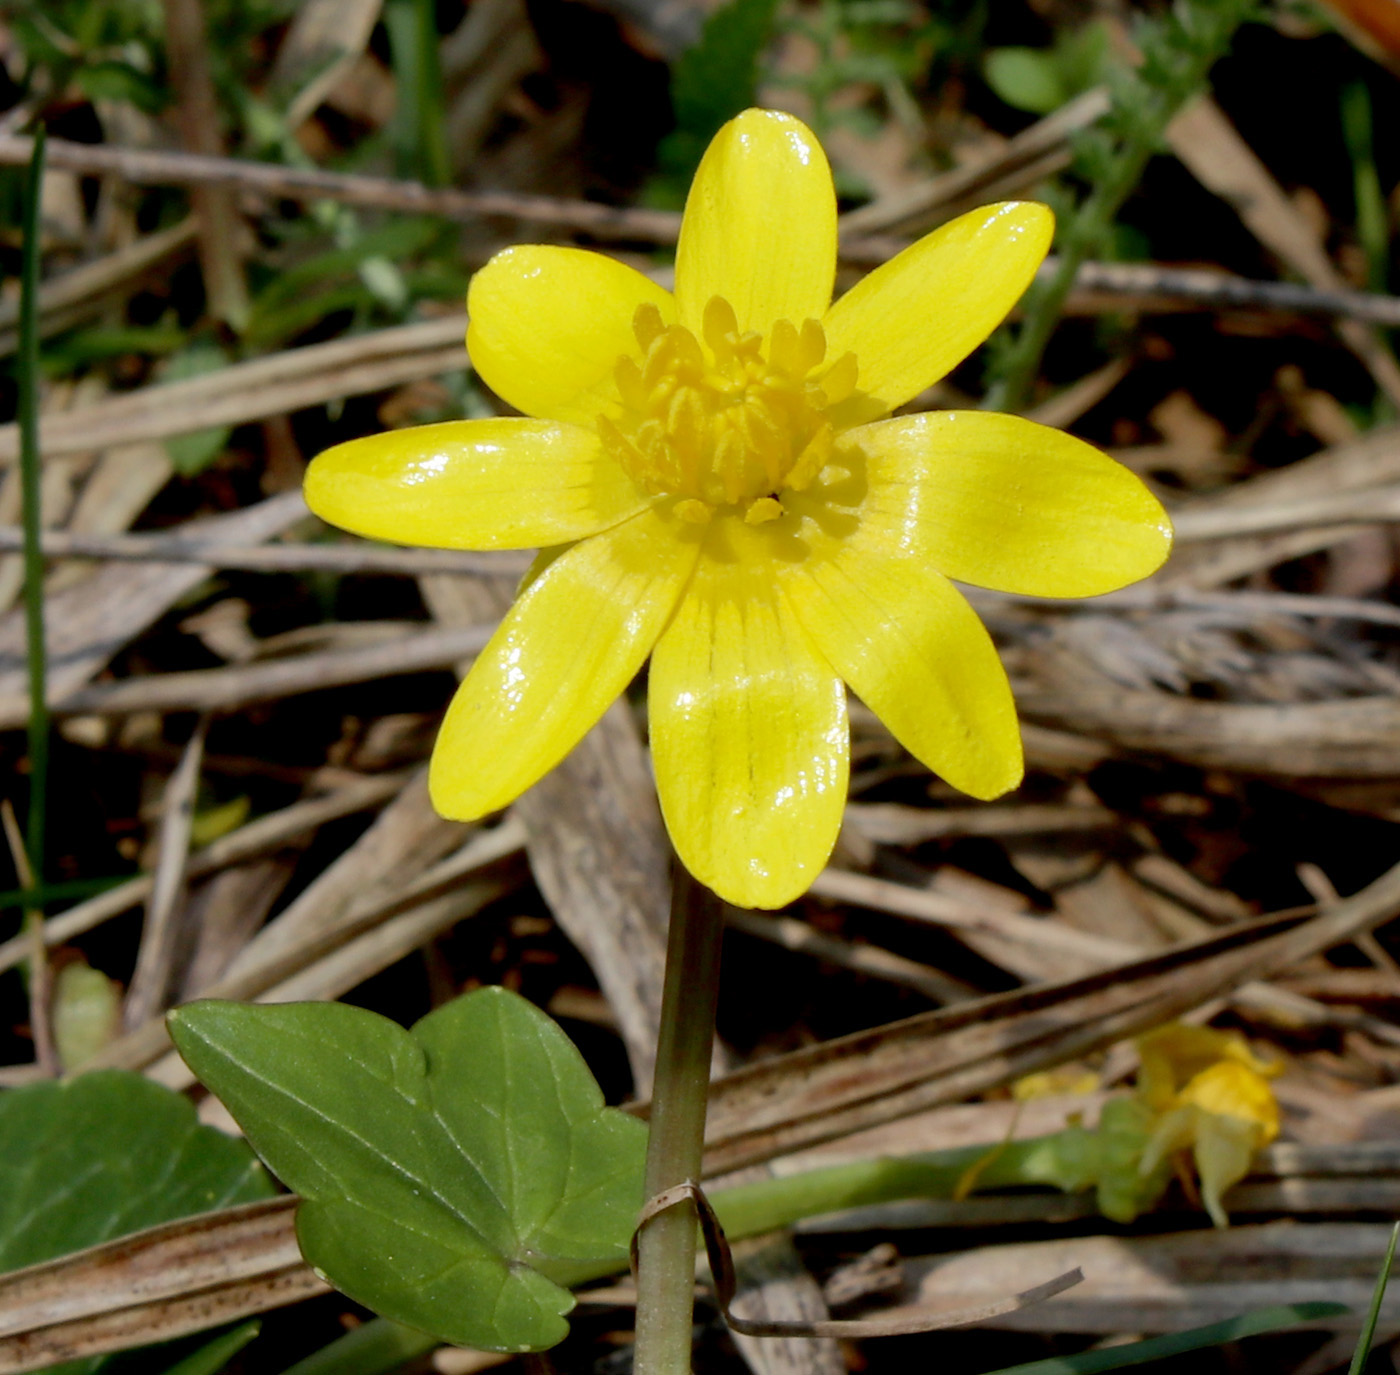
<point x="1039" y="80"/>
<point x="86" y="1012"/>
<point x="452" y="1178"/>
<point x="193" y="453"/>
<point x="712" y="82"/>
<point x="103" y="1155"/>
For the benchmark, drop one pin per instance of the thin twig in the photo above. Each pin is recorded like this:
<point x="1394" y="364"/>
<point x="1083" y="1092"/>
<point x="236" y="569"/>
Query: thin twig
<point x="155" y="960"/>
<point x="197" y="114"/>
<point x="859" y="957"/>
<point x="357" y="557"/>
<point x="151" y="168"/>
<point x="231" y="689"/>
<point x="32" y="939"/>
<point x="275" y="385"/>
<point x="656" y="226"/>
<point x="272" y="832"/>
<point x="75" y="295"/>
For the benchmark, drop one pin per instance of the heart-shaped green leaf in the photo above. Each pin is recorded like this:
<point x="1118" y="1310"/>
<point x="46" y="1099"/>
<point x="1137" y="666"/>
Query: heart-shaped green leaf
<point x="452" y="1178"/>
<point x="105" y="1154"/>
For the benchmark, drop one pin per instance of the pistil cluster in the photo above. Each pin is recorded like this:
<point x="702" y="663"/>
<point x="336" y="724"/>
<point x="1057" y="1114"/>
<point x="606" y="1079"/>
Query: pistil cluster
<point x="725" y="421"/>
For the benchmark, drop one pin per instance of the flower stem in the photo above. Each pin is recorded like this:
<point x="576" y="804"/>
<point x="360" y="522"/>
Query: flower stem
<point x="666" y="1244"/>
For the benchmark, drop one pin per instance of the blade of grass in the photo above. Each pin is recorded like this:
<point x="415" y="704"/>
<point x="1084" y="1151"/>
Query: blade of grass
<point x="1176" y="1343"/>
<point x="1368" y="1331"/>
<point x="43" y="894"/>
<point x="214" y="1355"/>
<point x="30" y="490"/>
<point x="420" y="119"/>
<point x="373" y="1348"/>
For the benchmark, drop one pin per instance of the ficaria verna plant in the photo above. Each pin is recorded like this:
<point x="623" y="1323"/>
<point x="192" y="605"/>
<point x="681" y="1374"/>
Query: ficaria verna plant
<point x="714" y="482"/>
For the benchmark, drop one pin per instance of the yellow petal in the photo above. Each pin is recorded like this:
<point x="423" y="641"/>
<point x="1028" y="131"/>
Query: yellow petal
<point x="1231" y="1089"/>
<point x="916" y="317"/>
<point x="1176" y="1054"/>
<point x="760" y="225"/>
<point x="862" y="578"/>
<point x="473" y="484"/>
<point x="1224" y="1150"/>
<point x="1012" y="505"/>
<point x="573" y="640"/>
<point x="547" y="326"/>
<point x="748" y="730"/>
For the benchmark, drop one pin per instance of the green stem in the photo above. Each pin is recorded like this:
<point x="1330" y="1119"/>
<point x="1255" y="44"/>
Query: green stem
<point x="1084" y="234"/>
<point x="31" y="488"/>
<point x="748" y="1210"/>
<point x="1177" y="57"/>
<point x="666" y="1243"/>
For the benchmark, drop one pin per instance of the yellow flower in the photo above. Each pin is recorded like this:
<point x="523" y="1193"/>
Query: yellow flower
<point x="702" y="472"/>
<point x="1212" y="1095"/>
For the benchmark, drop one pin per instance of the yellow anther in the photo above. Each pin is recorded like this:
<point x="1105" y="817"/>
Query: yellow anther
<point x="813" y="350"/>
<point x="648" y="325"/>
<point x="763" y="510"/>
<point x="725" y="419"/>
<point x="721" y="325"/>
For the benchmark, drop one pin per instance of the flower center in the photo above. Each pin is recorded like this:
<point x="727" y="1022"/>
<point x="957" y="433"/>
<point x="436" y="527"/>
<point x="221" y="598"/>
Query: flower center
<point x="726" y="421"/>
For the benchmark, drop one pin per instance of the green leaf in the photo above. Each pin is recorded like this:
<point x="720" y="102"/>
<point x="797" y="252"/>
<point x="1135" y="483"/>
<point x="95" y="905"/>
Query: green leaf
<point x="87" y="1009"/>
<point x="108" y="1153"/>
<point x="714" y="80"/>
<point x="453" y="1177"/>
<point x="1026" y="79"/>
<point x="105" y="1154"/>
<point x="192" y="453"/>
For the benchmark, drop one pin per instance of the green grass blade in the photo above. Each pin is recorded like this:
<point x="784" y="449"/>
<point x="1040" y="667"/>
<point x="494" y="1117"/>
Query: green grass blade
<point x="42" y="894"/>
<point x="1368" y="1331"/>
<point x="30" y="488"/>
<point x="214" y="1355"/>
<point x="374" y="1348"/>
<point x="1175" y="1343"/>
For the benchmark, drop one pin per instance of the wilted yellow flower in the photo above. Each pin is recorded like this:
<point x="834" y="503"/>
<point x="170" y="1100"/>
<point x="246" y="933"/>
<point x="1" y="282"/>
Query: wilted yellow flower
<point x="702" y="472"/>
<point x="1212" y="1096"/>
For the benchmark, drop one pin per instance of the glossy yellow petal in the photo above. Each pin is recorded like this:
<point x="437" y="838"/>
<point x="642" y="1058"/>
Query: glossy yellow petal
<point x="547" y="326"/>
<point x="573" y="640"/>
<point x="1012" y="505"/>
<point x="748" y="730"/>
<point x="861" y="576"/>
<point x="916" y="317"/>
<point x="473" y="484"/>
<point x="760" y="225"/>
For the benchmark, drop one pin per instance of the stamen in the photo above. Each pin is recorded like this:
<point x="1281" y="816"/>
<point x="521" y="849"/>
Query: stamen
<point x="725" y="419"/>
<point x="763" y="510"/>
<point x="721" y="325"/>
<point x="648" y="325"/>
